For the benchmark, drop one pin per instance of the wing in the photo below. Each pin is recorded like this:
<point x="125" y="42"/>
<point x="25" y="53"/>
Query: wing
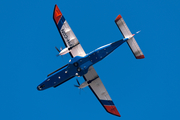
<point x="100" y="91"/>
<point x="70" y="40"/>
<point x="67" y="34"/>
<point x="127" y="33"/>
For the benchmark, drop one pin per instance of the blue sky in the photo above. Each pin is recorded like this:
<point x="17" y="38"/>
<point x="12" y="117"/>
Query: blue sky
<point x="141" y="89"/>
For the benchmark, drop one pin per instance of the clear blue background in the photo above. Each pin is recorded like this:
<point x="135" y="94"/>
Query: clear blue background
<point x="141" y="89"/>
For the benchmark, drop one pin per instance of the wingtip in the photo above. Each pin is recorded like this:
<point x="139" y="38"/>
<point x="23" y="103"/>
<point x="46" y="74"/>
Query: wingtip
<point x="57" y="14"/>
<point x="112" y="109"/>
<point x="118" y="18"/>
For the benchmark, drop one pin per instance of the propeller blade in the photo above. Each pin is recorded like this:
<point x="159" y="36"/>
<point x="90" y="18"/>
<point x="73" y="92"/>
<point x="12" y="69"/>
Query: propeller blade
<point x="77" y="81"/>
<point x="76" y="86"/>
<point x="61" y="48"/>
<point x="62" y="57"/>
<point x="57" y="49"/>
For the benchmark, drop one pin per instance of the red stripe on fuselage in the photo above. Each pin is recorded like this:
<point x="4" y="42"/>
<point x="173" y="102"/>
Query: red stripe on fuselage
<point x="57" y="14"/>
<point x="112" y="109"/>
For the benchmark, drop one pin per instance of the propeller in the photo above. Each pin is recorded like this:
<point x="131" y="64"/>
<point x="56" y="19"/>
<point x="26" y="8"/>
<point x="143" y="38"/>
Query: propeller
<point x="78" y="83"/>
<point x="59" y="51"/>
<point x="78" y="86"/>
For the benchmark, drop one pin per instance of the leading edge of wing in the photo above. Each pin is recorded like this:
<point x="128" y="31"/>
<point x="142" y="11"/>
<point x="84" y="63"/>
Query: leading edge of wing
<point x="100" y="92"/>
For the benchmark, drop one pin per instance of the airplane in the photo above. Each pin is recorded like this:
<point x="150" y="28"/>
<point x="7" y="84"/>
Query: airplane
<point x="81" y="64"/>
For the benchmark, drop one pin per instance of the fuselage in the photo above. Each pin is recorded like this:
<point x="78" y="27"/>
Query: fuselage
<point x="78" y="66"/>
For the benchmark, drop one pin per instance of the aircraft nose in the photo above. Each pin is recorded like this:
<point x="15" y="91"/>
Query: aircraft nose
<point x="40" y="87"/>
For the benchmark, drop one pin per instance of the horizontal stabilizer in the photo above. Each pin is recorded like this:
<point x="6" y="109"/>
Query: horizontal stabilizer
<point x="127" y="34"/>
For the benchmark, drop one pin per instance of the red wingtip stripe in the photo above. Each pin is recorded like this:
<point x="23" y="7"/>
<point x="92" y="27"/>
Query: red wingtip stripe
<point x="57" y="14"/>
<point x="112" y="109"/>
<point x="118" y="18"/>
<point x="140" y="57"/>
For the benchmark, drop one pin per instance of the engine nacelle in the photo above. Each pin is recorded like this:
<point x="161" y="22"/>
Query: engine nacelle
<point x="64" y="51"/>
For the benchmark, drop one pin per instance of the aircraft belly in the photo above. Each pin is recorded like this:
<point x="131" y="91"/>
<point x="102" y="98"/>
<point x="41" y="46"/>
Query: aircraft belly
<point x="86" y="65"/>
<point x="59" y="77"/>
<point x="104" y="51"/>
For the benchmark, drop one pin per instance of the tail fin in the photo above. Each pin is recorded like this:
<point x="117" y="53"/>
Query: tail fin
<point x="127" y="33"/>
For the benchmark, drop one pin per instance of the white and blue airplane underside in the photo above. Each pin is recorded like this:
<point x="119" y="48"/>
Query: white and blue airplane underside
<point x="81" y="63"/>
